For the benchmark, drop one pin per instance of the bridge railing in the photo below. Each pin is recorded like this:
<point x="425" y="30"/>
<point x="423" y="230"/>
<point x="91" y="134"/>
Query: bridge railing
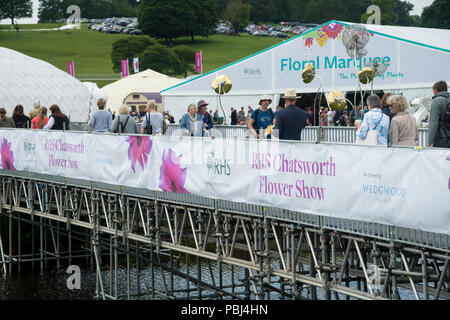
<point x="309" y="134"/>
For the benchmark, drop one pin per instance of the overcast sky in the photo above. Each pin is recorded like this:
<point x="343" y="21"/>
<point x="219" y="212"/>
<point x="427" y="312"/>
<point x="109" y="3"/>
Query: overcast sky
<point x="418" y="7"/>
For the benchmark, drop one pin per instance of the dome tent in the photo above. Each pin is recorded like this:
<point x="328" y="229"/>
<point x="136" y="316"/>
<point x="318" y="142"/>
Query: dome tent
<point x="24" y="80"/>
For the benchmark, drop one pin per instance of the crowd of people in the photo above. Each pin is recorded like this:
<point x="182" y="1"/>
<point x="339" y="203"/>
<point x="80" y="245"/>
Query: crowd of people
<point x="383" y="121"/>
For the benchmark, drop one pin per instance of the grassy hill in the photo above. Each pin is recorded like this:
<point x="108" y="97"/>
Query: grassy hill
<point x="91" y="50"/>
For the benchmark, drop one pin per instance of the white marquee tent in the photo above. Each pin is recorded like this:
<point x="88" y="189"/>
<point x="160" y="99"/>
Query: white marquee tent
<point x="417" y="58"/>
<point x="24" y="80"/>
<point x="147" y="81"/>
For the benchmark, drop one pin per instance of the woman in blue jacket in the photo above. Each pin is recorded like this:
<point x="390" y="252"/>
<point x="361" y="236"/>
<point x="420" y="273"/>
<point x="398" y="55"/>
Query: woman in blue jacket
<point x="188" y="122"/>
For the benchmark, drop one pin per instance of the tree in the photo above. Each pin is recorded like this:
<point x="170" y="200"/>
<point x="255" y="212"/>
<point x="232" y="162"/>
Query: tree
<point x="355" y="9"/>
<point x="204" y="20"/>
<point x="262" y="10"/>
<point x="315" y="13"/>
<point x="16" y="9"/>
<point x="165" y="19"/>
<point x="129" y="48"/>
<point x="402" y="9"/>
<point x="161" y="59"/>
<point x="388" y="15"/>
<point x="50" y="10"/>
<point x="238" y="14"/>
<point x="298" y="12"/>
<point x="437" y="15"/>
<point x="187" y="58"/>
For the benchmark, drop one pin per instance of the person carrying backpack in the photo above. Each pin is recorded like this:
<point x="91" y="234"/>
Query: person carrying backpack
<point x="439" y="124"/>
<point x="153" y="122"/>
<point x="124" y="123"/>
<point x="261" y="118"/>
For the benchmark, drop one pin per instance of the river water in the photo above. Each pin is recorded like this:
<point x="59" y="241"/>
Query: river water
<point x="52" y="284"/>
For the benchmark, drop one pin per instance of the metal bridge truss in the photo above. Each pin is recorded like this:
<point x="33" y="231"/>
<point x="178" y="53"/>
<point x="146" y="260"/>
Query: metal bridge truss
<point x="301" y="253"/>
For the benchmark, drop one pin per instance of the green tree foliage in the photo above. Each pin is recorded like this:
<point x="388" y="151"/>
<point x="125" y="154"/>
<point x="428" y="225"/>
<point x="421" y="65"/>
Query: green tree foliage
<point x="129" y="48"/>
<point x="161" y="59"/>
<point x="355" y="8"/>
<point x="437" y="15"/>
<point x="238" y="14"/>
<point x="315" y="12"/>
<point x="402" y="9"/>
<point x="261" y="10"/>
<point x="187" y="58"/>
<point x="298" y="12"/>
<point x="15" y="9"/>
<point x="170" y="19"/>
<point x="165" y="19"/>
<point x="388" y="14"/>
<point x="51" y="10"/>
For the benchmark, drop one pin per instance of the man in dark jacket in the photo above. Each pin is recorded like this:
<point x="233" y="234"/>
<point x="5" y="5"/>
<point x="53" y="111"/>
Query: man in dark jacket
<point x="438" y="135"/>
<point x="291" y="120"/>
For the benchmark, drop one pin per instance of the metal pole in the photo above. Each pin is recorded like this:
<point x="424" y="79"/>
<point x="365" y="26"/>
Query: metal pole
<point x="425" y="276"/>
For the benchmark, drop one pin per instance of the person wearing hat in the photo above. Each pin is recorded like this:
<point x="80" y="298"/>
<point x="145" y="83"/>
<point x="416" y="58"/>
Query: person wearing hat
<point x="207" y="119"/>
<point x="36" y="108"/>
<point x="291" y="120"/>
<point x="262" y="117"/>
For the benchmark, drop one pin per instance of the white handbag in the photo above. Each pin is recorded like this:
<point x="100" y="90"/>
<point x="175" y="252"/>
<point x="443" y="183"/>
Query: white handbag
<point x="372" y="135"/>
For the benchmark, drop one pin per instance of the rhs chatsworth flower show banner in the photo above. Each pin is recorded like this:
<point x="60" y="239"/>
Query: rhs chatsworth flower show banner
<point x="395" y="186"/>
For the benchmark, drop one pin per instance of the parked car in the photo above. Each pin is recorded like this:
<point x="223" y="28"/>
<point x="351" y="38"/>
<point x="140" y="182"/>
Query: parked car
<point x="136" y="32"/>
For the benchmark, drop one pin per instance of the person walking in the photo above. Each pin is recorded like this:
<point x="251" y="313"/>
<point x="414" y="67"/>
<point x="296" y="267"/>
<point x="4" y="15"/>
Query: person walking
<point x="153" y="122"/>
<point x="6" y="122"/>
<point x="40" y="120"/>
<point x="124" y="123"/>
<point x="21" y="120"/>
<point x="291" y="120"/>
<point x="439" y="125"/>
<point x="376" y="120"/>
<point x="57" y="119"/>
<point x="262" y="117"/>
<point x="403" y="129"/>
<point x="101" y="119"/>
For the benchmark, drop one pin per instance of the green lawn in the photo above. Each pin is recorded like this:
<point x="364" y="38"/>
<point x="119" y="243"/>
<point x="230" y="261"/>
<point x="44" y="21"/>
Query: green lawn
<point x="91" y="50"/>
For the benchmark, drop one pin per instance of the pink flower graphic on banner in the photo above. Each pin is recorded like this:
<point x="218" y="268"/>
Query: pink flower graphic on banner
<point x="139" y="150"/>
<point x="7" y="156"/>
<point x="332" y="30"/>
<point x="309" y="42"/>
<point x="172" y="177"/>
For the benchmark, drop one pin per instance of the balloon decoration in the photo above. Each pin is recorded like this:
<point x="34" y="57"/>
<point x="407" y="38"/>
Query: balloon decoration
<point x="336" y="100"/>
<point x="366" y="75"/>
<point x="222" y="84"/>
<point x="308" y="73"/>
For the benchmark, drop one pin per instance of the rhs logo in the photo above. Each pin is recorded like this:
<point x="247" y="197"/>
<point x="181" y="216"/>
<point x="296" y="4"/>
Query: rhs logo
<point x="252" y="73"/>
<point x="218" y="167"/>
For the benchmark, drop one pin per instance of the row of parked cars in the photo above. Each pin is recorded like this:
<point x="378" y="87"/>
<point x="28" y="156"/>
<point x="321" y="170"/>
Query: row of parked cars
<point x="283" y="30"/>
<point x="117" y="25"/>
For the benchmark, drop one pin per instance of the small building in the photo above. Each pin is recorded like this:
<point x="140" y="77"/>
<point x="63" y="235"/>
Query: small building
<point x="137" y="101"/>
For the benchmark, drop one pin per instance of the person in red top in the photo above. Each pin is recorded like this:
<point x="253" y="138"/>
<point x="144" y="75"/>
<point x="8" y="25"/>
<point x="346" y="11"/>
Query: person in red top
<point x="41" y="120"/>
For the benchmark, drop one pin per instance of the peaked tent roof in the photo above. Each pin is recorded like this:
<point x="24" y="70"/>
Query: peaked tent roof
<point x="438" y="39"/>
<point x="145" y="81"/>
<point x="24" y="80"/>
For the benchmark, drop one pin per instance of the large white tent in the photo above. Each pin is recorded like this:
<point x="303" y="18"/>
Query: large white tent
<point x="417" y="58"/>
<point x="24" y="80"/>
<point x="147" y="81"/>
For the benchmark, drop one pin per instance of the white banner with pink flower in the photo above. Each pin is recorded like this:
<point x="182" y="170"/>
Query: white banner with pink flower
<point x="395" y="186"/>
